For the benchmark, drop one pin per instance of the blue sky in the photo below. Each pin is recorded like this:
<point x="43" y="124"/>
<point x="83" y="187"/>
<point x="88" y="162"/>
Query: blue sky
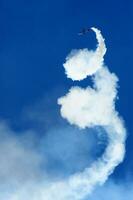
<point x="35" y="38"/>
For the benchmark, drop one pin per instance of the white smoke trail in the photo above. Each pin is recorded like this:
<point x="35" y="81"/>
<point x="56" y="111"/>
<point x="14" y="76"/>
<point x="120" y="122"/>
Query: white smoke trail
<point x="85" y="108"/>
<point x="91" y="107"/>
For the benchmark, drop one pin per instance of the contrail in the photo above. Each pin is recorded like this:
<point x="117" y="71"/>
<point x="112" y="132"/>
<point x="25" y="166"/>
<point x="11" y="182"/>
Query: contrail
<point x="92" y="107"/>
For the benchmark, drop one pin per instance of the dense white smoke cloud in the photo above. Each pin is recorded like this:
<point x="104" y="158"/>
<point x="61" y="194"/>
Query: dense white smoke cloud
<point x="91" y="107"/>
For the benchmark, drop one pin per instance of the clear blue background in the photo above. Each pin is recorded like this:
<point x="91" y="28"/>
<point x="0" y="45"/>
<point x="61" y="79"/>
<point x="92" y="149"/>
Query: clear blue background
<point x="35" y="38"/>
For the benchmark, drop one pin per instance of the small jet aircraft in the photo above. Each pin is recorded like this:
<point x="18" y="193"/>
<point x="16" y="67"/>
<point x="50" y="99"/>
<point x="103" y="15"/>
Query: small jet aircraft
<point x="84" y="31"/>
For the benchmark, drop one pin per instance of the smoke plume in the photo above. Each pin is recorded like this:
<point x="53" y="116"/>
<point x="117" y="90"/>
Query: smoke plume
<point x="90" y="107"/>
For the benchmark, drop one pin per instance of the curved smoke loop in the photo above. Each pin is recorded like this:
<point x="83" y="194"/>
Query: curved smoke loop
<point x="90" y="107"/>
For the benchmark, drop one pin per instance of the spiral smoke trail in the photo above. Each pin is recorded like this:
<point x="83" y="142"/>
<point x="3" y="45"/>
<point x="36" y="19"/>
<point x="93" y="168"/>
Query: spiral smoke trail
<point x="92" y="107"/>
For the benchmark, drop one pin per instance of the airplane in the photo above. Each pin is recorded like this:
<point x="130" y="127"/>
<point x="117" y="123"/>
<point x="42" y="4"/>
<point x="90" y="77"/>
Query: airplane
<point x="84" y="31"/>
